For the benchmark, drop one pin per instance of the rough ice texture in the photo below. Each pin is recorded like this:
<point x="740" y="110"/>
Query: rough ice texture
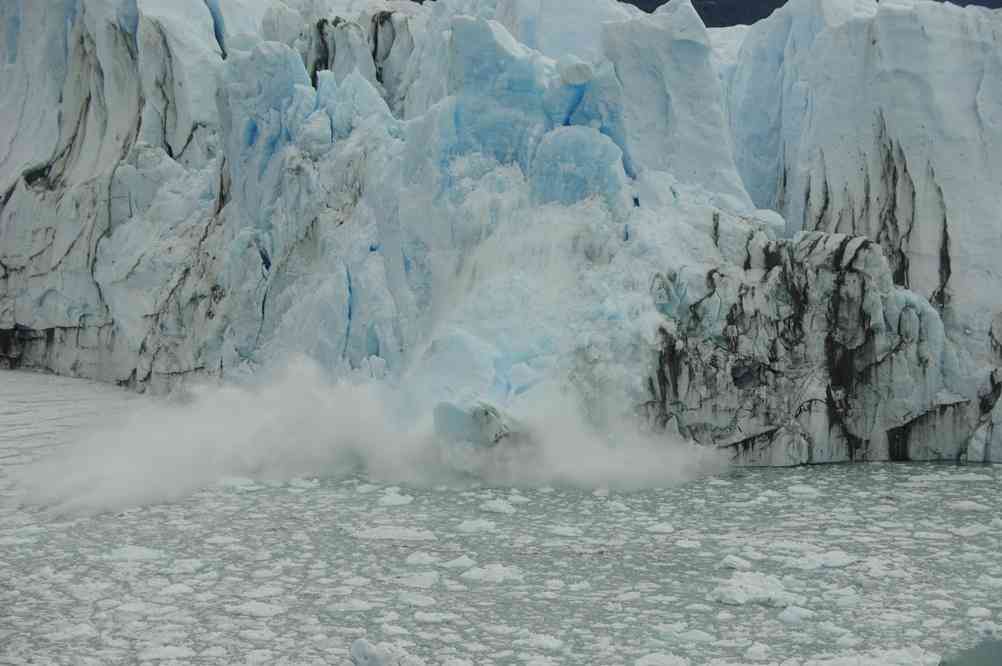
<point x="194" y="188"/>
<point x="811" y="355"/>
<point x="884" y="120"/>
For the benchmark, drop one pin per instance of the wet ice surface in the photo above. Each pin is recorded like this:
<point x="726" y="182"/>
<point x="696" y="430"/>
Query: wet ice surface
<point x="814" y="565"/>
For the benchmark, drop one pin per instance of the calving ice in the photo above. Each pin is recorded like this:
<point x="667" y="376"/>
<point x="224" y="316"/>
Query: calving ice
<point x="779" y="240"/>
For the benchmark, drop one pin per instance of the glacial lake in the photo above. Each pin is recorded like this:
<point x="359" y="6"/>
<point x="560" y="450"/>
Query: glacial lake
<point x="838" y="565"/>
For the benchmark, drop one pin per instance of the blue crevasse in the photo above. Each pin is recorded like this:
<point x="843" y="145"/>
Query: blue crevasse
<point x="218" y="25"/>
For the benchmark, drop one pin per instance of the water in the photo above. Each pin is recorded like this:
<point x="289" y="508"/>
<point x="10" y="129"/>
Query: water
<point x="874" y="564"/>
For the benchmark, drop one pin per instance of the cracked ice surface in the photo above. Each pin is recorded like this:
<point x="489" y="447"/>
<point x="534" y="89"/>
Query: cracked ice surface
<point x="863" y="564"/>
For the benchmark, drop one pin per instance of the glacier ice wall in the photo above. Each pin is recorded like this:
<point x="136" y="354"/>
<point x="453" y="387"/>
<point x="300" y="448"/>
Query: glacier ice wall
<point x="883" y="120"/>
<point x="477" y="200"/>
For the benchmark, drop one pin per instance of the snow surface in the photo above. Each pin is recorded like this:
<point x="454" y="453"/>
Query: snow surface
<point x="312" y="570"/>
<point x="480" y="201"/>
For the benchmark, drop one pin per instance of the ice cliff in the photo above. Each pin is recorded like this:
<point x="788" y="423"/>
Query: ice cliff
<point x="476" y="201"/>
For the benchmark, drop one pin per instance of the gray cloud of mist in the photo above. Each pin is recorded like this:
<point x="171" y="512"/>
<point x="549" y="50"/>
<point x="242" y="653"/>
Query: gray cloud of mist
<point x="296" y="423"/>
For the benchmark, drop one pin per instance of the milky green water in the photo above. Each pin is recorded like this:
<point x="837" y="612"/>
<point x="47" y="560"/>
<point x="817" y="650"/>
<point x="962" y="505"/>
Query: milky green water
<point x="874" y="564"/>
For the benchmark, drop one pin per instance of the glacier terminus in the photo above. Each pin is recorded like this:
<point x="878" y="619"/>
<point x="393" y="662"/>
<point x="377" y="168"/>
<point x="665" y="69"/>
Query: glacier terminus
<point x="780" y="241"/>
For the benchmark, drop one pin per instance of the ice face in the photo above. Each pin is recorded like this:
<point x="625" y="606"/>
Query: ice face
<point x="675" y="117"/>
<point x="899" y="147"/>
<point x="475" y="201"/>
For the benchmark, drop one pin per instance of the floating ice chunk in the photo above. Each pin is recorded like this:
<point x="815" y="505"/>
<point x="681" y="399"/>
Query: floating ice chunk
<point x="257" y="609"/>
<point x="795" y="615"/>
<point x="186" y="566"/>
<point x="394" y="498"/>
<point x="461" y="562"/>
<point x="661" y="659"/>
<point x="493" y="573"/>
<point x="498" y="506"/>
<point x="421" y="558"/>
<point x="566" y="530"/>
<point x="166" y="652"/>
<point x="353" y="605"/>
<point x="217" y="651"/>
<point x="845" y="598"/>
<point x="942" y="604"/>
<point x="263" y="592"/>
<point x="968" y="505"/>
<point x="134" y="553"/>
<point x="364" y="653"/>
<point x="135" y="607"/>
<point x="661" y="528"/>
<point x="748" y="587"/>
<point x="803" y="490"/>
<point x="990" y="581"/>
<point x="735" y="562"/>
<point x="833" y="559"/>
<point x="72" y="632"/>
<point x="968" y="531"/>
<point x="541" y="641"/>
<point x="696" y="636"/>
<point x="969" y="477"/>
<point x="221" y="540"/>
<point x="476" y="525"/>
<point x="757" y="652"/>
<point x="415" y="599"/>
<point x="423" y="580"/>
<point x="434" y="618"/>
<point x="392" y="533"/>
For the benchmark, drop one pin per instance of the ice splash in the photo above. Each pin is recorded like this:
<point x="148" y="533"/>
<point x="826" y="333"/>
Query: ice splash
<point x="296" y="423"/>
<point x="570" y="448"/>
<point x="293" y="424"/>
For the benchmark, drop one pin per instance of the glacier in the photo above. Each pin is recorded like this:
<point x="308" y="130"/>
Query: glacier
<point x="777" y="240"/>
